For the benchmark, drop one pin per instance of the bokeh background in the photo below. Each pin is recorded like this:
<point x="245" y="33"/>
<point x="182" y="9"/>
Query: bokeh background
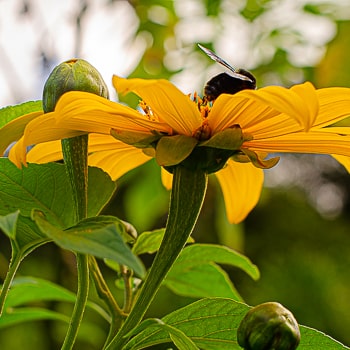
<point x="298" y="235"/>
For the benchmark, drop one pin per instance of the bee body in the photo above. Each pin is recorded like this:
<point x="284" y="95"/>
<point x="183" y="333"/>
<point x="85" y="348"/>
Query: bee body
<point x="227" y="83"/>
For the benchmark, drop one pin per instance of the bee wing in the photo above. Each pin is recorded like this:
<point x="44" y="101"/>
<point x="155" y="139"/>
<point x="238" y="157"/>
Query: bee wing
<point x="218" y="59"/>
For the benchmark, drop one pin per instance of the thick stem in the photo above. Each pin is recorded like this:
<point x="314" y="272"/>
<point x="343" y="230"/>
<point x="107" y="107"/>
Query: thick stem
<point x="75" y="157"/>
<point x="187" y="196"/>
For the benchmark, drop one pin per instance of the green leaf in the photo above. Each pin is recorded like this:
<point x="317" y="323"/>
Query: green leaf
<point x="8" y="224"/>
<point x="212" y="325"/>
<point x="127" y="231"/>
<point x="176" y="336"/>
<point x="179" y="338"/>
<point x="46" y="187"/>
<point x="100" y="190"/>
<point x="312" y="339"/>
<point x="12" y="112"/>
<point x="13" y="317"/>
<point x="28" y="289"/>
<point x="32" y="289"/>
<point x="103" y="242"/>
<point x="149" y="242"/>
<point x="23" y="233"/>
<point x="11" y="126"/>
<point x="28" y="236"/>
<point x="172" y="150"/>
<point x="200" y="253"/>
<point x="204" y="280"/>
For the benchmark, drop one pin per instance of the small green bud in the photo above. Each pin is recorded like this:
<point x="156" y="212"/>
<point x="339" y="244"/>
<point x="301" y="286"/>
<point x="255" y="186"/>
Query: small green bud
<point x="72" y="75"/>
<point x="268" y="326"/>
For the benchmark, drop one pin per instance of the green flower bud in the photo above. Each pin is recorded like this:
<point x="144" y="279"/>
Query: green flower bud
<point x="72" y="75"/>
<point x="268" y="326"/>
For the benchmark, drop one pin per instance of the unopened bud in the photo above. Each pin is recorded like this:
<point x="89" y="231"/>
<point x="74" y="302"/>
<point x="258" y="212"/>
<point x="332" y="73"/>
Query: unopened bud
<point x="72" y="75"/>
<point x="268" y="326"/>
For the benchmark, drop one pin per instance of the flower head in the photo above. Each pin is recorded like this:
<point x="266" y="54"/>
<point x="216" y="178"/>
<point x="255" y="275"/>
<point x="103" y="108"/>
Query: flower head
<point x="231" y="137"/>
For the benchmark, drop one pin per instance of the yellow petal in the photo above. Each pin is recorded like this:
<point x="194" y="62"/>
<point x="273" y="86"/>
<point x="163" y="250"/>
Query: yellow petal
<point x="17" y="154"/>
<point x="45" y="152"/>
<point x="241" y="184"/>
<point x="40" y="129"/>
<point x="114" y="157"/>
<point x="334" y="105"/>
<point x="307" y="94"/>
<point x="51" y="151"/>
<point x="343" y="160"/>
<point x="77" y="113"/>
<point x="117" y="162"/>
<point x="324" y="141"/>
<point x="167" y="179"/>
<point x="167" y="102"/>
<point x="293" y="102"/>
<point x="14" y="130"/>
<point x="91" y="113"/>
<point x="255" y="118"/>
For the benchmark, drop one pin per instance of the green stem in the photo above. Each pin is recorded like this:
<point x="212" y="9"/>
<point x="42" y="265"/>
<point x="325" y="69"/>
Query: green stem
<point x="80" y="303"/>
<point x="187" y="196"/>
<point x="103" y="290"/>
<point x="17" y="256"/>
<point x="14" y="264"/>
<point x="75" y="157"/>
<point x="127" y="274"/>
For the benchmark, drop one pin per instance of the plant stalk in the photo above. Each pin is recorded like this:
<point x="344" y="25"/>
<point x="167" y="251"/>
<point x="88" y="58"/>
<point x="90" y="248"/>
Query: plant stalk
<point x="75" y="152"/>
<point x="188" y="191"/>
<point x="11" y="272"/>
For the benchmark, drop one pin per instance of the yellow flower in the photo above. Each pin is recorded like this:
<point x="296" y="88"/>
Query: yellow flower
<point x="231" y="138"/>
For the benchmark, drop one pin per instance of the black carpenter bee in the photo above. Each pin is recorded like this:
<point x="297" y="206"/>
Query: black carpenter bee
<point x="228" y="83"/>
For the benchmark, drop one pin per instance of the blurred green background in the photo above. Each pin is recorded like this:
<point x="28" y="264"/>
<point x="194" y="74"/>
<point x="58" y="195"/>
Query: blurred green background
<point x="298" y="235"/>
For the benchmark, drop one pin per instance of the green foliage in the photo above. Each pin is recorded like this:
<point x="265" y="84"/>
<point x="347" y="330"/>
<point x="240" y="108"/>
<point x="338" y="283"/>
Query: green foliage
<point x="313" y="339"/>
<point x="45" y="187"/>
<point x="92" y="237"/>
<point x="212" y="325"/>
<point x="29" y="290"/>
<point x="202" y="270"/>
<point x="149" y="242"/>
<point x="30" y="314"/>
<point x="12" y="112"/>
<point x="196" y="273"/>
<point x="8" y="224"/>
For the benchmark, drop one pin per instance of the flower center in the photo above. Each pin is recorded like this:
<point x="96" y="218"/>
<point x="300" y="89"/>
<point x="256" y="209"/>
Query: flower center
<point x="203" y="133"/>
